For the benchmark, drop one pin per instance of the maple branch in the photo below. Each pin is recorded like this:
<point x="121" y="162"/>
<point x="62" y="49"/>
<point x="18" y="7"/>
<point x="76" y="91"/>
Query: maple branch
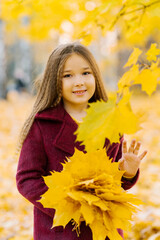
<point x="123" y="13"/>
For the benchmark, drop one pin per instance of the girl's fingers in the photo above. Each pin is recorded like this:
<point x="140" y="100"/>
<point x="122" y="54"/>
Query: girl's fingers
<point x="136" y="150"/>
<point x="131" y="148"/>
<point x="124" y="147"/>
<point x="142" y="155"/>
<point x="121" y="162"/>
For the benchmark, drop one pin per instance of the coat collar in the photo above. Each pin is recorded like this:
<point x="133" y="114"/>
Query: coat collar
<point x="52" y="113"/>
<point x="65" y="139"/>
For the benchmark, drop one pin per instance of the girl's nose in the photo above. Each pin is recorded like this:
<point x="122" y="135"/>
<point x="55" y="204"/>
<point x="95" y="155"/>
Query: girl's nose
<point x="79" y="84"/>
<point x="79" y="81"/>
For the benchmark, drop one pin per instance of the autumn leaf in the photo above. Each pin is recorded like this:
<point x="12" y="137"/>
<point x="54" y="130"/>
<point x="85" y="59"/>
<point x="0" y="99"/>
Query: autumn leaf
<point x="128" y="78"/>
<point x="133" y="58"/>
<point x="155" y="69"/>
<point x="148" y="79"/>
<point x="153" y="52"/>
<point x="110" y="120"/>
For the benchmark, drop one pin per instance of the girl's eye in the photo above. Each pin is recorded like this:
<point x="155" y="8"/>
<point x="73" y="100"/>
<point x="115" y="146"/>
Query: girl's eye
<point x="86" y="73"/>
<point x="67" y="76"/>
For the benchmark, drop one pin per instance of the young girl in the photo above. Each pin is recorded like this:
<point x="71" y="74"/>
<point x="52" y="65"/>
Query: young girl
<point x="71" y="80"/>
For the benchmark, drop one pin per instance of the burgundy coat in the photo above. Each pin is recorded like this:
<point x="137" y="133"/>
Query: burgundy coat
<point x="49" y="141"/>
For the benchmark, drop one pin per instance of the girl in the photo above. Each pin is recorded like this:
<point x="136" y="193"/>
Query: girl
<point x="71" y="80"/>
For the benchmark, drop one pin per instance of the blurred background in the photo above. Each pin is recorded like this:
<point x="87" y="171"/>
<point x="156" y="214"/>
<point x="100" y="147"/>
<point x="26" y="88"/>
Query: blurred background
<point x="29" y="32"/>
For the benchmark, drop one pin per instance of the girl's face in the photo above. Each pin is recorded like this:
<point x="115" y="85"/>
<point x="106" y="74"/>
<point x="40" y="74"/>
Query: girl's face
<point x="78" y="82"/>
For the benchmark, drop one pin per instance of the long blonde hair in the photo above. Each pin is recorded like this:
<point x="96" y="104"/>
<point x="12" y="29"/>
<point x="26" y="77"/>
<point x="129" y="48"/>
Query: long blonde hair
<point x="49" y="86"/>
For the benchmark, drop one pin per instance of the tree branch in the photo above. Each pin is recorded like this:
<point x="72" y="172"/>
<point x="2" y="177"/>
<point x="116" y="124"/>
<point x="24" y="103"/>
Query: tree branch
<point x="123" y="13"/>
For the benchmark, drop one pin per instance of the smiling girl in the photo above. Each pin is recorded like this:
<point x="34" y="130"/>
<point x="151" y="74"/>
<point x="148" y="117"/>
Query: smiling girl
<point x="78" y="86"/>
<point x="71" y="80"/>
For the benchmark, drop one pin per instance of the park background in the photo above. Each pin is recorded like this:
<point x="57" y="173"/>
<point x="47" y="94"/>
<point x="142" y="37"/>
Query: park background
<point x="29" y="32"/>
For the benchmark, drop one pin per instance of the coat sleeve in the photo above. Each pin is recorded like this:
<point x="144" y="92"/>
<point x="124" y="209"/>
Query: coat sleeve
<point x="115" y="152"/>
<point x="31" y="167"/>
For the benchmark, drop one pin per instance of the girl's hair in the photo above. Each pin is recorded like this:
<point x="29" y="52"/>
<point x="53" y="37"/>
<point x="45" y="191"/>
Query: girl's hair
<point x="49" y="86"/>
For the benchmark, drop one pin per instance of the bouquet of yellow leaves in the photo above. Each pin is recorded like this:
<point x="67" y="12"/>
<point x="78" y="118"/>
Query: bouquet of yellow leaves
<point x="89" y="188"/>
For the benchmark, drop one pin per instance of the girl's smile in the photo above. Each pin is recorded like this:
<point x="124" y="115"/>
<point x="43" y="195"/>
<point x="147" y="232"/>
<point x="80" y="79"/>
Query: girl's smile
<point x="79" y="92"/>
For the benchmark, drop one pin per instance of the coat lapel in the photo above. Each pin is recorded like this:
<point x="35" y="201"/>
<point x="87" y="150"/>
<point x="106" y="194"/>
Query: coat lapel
<point x="65" y="139"/>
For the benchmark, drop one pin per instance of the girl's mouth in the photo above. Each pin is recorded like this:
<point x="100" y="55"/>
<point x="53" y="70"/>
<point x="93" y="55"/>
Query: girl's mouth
<point x="80" y="92"/>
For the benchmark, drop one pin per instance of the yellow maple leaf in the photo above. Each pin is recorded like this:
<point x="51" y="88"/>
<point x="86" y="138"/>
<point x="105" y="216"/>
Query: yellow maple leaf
<point x="128" y="78"/>
<point x="133" y="57"/>
<point x="97" y="197"/>
<point x="156" y="69"/>
<point x="153" y="52"/>
<point x="148" y="79"/>
<point x="99" y="231"/>
<point x="91" y="131"/>
<point x="71" y="210"/>
<point x="106" y="120"/>
<point x="109" y="223"/>
<point x="88" y="213"/>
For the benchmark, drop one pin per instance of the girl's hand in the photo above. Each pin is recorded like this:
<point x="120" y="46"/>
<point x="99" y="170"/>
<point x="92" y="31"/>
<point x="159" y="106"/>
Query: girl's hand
<point x="130" y="160"/>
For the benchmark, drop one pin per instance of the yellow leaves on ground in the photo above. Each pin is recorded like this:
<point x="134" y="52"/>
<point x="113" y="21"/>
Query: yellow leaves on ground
<point x="89" y="186"/>
<point x="15" y="212"/>
<point x="146" y="224"/>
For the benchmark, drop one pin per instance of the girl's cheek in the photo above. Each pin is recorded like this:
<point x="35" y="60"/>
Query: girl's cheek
<point x="94" y="83"/>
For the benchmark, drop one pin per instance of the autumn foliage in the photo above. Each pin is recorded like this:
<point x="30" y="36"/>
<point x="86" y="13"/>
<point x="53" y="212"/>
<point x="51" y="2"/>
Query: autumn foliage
<point x="116" y="117"/>
<point x="86" y="20"/>
<point x="89" y="187"/>
<point x="136" y="23"/>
